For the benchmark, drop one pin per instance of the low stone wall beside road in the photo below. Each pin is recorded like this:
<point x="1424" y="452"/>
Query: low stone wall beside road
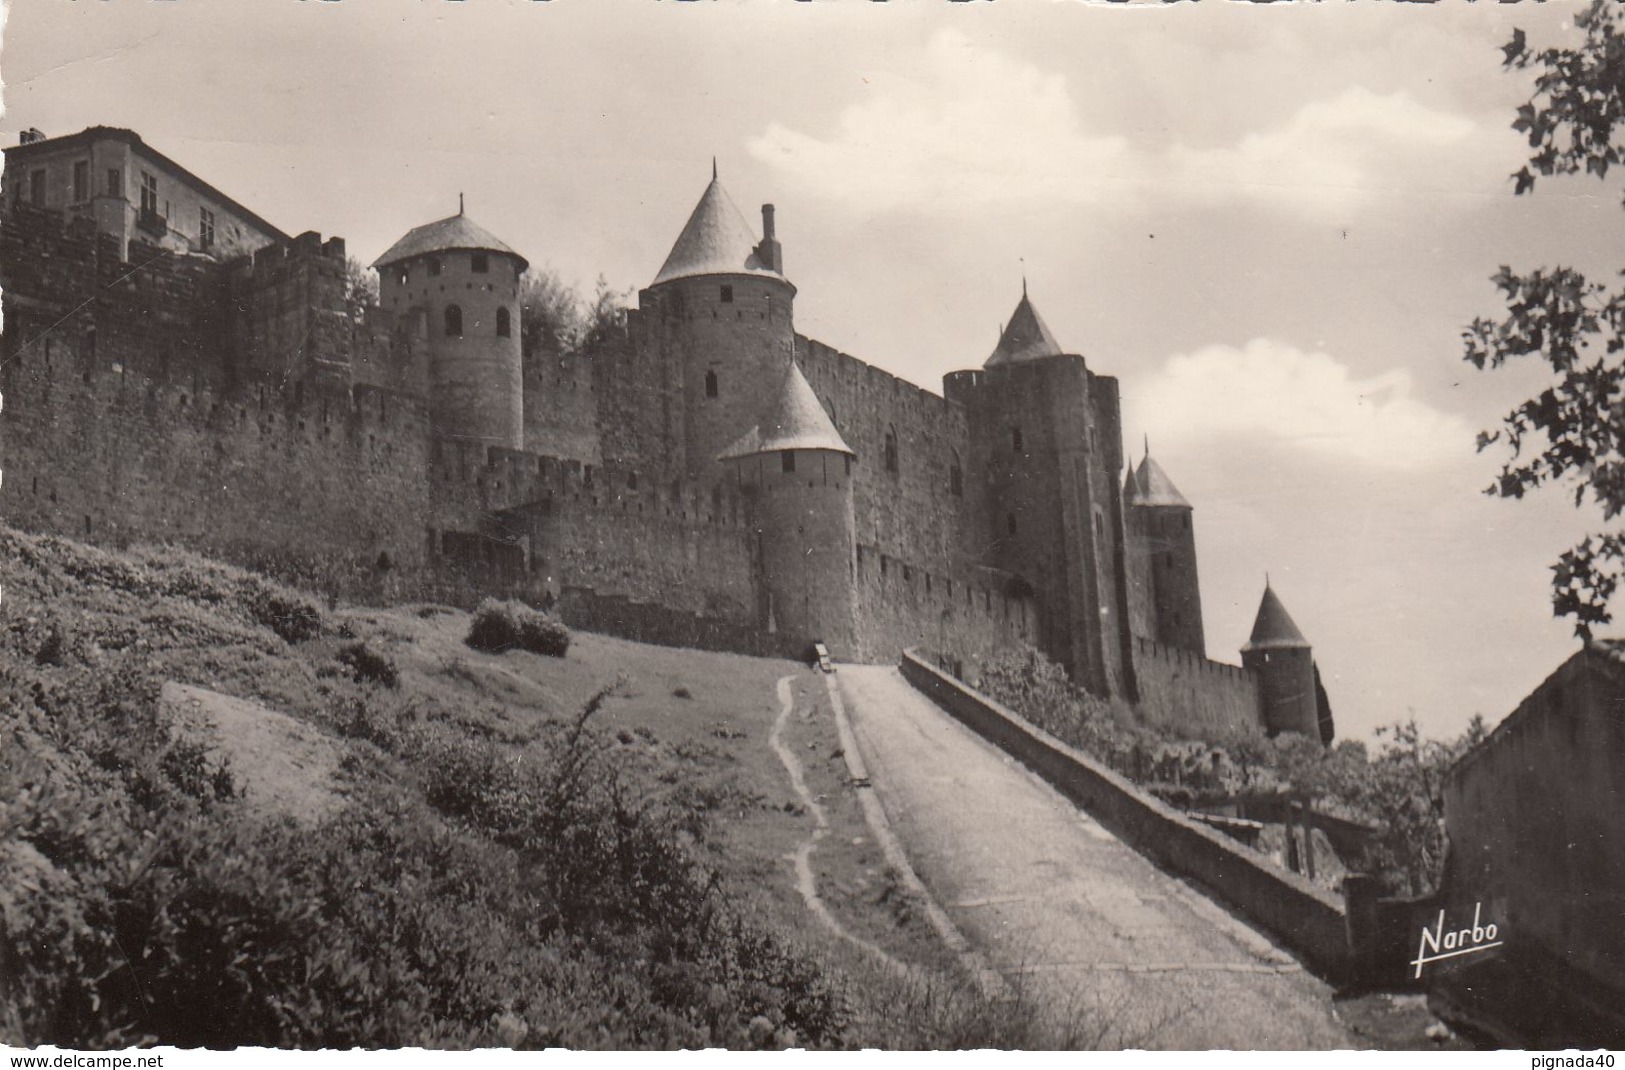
<point x="1305" y="919"/>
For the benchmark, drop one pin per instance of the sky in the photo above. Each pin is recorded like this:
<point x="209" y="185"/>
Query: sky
<point x="1270" y="223"/>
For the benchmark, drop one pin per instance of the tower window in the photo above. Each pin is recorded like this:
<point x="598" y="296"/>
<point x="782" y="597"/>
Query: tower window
<point x="891" y="449"/>
<point x="406" y="274"/>
<point x="1100" y="528"/>
<point x="115" y="182"/>
<point x="956" y="477"/>
<point x="710" y="384"/>
<point x="787" y="458"/>
<point x="1010" y="522"/>
<point x="504" y="323"/>
<point x="454" y="321"/>
<point x="149" y="193"/>
<point x="205" y="228"/>
<point x="727" y="294"/>
<point x="81" y="181"/>
<point x="434" y="265"/>
<point x="1015" y="439"/>
<point x="482" y="263"/>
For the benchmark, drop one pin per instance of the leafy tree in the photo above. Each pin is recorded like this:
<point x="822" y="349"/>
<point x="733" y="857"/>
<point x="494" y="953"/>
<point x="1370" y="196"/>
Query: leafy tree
<point x="360" y="288"/>
<point x="1573" y="432"/>
<point x="607" y="314"/>
<point x="550" y="317"/>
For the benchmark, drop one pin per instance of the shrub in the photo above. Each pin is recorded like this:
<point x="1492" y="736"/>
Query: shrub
<point x="367" y="665"/>
<point x="295" y="617"/>
<point x="502" y="626"/>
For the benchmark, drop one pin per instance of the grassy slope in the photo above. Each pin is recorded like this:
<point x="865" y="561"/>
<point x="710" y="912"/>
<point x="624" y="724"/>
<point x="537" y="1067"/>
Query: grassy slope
<point x="446" y="905"/>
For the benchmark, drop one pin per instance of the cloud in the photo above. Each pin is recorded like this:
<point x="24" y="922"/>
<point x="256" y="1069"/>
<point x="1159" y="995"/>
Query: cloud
<point x="972" y="127"/>
<point x="1307" y="401"/>
<point x="1341" y="153"/>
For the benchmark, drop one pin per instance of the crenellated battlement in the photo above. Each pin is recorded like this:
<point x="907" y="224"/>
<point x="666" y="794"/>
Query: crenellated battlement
<point x="248" y="405"/>
<point x="472" y="477"/>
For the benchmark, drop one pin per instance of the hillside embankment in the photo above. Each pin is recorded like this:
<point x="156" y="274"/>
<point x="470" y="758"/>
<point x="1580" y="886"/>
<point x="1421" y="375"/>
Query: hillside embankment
<point x="233" y="813"/>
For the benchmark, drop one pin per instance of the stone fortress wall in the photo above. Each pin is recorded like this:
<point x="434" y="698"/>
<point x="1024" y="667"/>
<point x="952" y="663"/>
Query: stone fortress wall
<point x="243" y="407"/>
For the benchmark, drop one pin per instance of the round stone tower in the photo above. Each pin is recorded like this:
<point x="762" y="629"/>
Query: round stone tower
<point x="1162" y="559"/>
<point x="466" y="284"/>
<point x="725" y="314"/>
<point x="1281" y="656"/>
<point x="796" y="473"/>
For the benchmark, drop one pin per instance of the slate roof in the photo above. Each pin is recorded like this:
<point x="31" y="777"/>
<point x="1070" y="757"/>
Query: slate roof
<point x="1151" y="486"/>
<point x="1026" y="337"/>
<point x="715" y="241"/>
<point x="1273" y="627"/>
<point x="446" y="235"/>
<point x="797" y="421"/>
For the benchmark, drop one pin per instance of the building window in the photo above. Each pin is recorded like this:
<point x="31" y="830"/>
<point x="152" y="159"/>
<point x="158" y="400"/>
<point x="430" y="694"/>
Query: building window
<point x="36" y="188"/>
<point x="504" y="324"/>
<point x="115" y="182"/>
<point x="482" y="263"/>
<point x="727" y="295"/>
<point x="1015" y="439"/>
<point x="787" y="459"/>
<point x="149" y="193"/>
<point x="454" y="321"/>
<point x="81" y="181"/>
<point x="205" y="228"/>
<point x="891" y="449"/>
<point x="406" y="274"/>
<point x="956" y="477"/>
<point x="1100" y="528"/>
<point x="434" y="265"/>
<point x="710" y="384"/>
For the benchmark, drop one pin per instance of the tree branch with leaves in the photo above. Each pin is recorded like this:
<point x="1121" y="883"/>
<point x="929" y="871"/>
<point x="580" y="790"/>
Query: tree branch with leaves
<point x="1573" y="432"/>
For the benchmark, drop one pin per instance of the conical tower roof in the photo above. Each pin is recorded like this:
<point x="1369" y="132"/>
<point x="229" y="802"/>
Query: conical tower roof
<point x="715" y="241"/>
<point x="1026" y="337"/>
<point x="797" y="421"/>
<point x="445" y="235"/>
<point x="1273" y="627"/>
<point x="1153" y="487"/>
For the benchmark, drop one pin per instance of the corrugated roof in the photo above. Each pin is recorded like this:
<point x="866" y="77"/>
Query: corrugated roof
<point x="797" y="421"/>
<point x="715" y="241"/>
<point x="1274" y="626"/>
<point x="1153" y="487"/>
<point x="445" y="235"/>
<point x="1026" y="337"/>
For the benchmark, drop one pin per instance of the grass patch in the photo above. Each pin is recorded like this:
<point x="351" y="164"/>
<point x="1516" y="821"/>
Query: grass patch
<point x="505" y="873"/>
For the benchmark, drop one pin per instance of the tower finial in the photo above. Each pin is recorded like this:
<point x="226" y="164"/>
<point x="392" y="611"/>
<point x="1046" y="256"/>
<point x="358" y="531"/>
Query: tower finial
<point x="1266" y="580"/>
<point x="713" y="169"/>
<point x="1148" y="443"/>
<point x="459" y="203"/>
<point x="1023" y="275"/>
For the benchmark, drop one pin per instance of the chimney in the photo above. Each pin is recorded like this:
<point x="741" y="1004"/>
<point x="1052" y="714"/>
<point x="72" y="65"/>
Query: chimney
<point x="768" y="251"/>
<point x="31" y="135"/>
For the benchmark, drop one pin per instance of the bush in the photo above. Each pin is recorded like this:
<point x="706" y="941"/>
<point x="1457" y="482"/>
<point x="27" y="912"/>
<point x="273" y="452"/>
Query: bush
<point x="295" y="617"/>
<point x="367" y="665"/>
<point x="503" y="626"/>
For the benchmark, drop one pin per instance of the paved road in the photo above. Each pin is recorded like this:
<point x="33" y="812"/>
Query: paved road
<point x="1064" y="908"/>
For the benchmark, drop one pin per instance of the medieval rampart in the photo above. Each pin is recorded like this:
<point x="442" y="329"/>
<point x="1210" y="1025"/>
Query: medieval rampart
<point x="129" y="417"/>
<point x="1182" y="690"/>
